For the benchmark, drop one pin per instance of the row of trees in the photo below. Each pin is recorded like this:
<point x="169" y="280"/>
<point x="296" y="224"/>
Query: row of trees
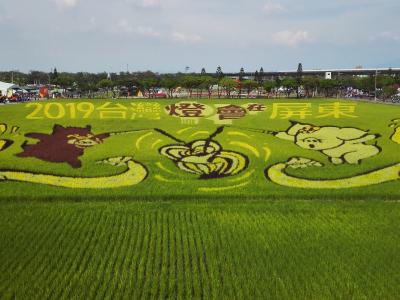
<point x="305" y="86"/>
<point x="203" y="84"/>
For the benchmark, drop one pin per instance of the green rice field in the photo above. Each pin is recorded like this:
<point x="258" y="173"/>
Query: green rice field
<point x="200" y="250"/>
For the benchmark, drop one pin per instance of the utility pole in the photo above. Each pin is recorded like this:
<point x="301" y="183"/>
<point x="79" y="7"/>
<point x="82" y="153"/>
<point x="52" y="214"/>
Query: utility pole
<point x="376" y="75"/>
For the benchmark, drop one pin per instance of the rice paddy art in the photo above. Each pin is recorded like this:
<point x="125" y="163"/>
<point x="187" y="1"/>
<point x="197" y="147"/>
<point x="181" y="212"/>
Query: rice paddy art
<point x="239" y="149"/>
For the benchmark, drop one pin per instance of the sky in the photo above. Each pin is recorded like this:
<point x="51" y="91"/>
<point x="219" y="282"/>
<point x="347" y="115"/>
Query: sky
<point x="169" y="35"/>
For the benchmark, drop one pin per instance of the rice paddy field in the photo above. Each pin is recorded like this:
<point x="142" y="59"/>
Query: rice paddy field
<point x="199" y="199"/>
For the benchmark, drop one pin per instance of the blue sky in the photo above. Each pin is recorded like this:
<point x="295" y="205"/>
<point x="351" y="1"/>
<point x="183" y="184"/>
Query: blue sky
<point x="168" y="35"/>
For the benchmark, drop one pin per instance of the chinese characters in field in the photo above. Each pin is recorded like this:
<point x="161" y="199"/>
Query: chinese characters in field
<point x="190" y="110"/>
<point x="301" y="110"/>
<point x="86" y="110"/>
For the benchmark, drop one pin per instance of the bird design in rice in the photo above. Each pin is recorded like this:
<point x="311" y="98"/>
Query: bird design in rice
<point x="206" y="158"/>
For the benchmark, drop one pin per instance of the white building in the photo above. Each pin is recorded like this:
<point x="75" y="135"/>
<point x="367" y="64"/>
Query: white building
<point x="328" y="75"/>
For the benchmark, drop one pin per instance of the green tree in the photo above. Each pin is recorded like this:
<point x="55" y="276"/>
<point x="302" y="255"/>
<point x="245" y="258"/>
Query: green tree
<point x="105" y="84"/>
<point x="228" y="85"/>
<point x="366" y="84"/>
<point x="345" y="81"/>
<point x="310" y="84"/>
<point x="241" y="74"/>
<point x="299" y="77"/>
<point x="269" y="86"/>
<point x="239" y="84"/>
<point x="257" y="80"/>
<point x="256" y="76"/>
<point x="329" y="87"/>
<point x="219" y="75"/>
<point x="389" y="91"/>
<point x="64" y="81"/>
<point x="384" y="81"/>
<point x="260" y="79"/>
<point x="35" y="77"/>
<point x="249" y="86"/>
<point x="290" y="84"/>
<point x="54" y="75"/>
<point x="148" y="85"/>
<point x="397" y="79"/>
<point x="261" y="76"/>
<point x="207" y="83"/>
<point x="170" y="83"/>
<point x="87" y="83"/>
<point x="190" y="82"/>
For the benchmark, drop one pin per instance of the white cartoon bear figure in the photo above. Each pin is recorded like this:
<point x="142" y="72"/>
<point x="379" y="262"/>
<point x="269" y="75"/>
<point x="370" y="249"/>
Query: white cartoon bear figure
<point x="340" y="144"/>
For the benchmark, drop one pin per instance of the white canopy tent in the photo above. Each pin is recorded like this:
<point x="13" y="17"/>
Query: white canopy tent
<point x="5" y="86"/>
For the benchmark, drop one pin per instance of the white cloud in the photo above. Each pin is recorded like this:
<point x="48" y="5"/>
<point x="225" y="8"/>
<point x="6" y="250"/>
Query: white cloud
<point x="145" y="3"/>
<point x="186" y="38"/>
<point x="92" y="20"/>
<point x="272" y="8"/>
<point x="65" y="4"/>
<point x="388" y="35"/>
<point x="291" y="38"/>
<point x="126" y="27"/>
<point x="147" y="31"/>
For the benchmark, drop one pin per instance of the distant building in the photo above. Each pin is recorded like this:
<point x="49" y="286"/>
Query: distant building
<point x="328" y="75"/>
<point x="333" y="73"/>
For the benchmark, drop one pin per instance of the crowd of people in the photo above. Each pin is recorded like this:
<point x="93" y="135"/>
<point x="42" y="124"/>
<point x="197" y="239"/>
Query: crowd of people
<point x="18" y="97"/>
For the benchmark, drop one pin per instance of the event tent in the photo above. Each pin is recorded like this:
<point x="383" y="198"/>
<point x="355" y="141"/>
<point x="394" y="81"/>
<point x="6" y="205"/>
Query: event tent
<point x="5" y="86"/>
